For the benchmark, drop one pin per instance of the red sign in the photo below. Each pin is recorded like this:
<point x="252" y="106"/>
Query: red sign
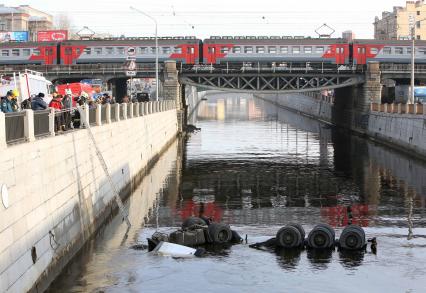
<point x="54" y="35"/>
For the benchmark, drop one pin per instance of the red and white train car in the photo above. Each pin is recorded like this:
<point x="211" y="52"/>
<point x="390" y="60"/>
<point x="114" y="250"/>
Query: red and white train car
<point x="275" y="49"/>
<point x="181" y="49"/>
<point x="43" y="53"/>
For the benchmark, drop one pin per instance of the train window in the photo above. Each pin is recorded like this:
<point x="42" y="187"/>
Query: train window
<point x="190" y="50"/>
<point x="408" y="50"/>
<point x="295" y="50"/>
<point x="48" y="51"/>
<point x="26" y="52"/>
<point x="248" y="50"/>
<point x="15" y="52"/>
<point x="308" y="50"/>
<point x="120" y="50"/>
<point x="236" y="50"/>
<point x="153" y="50"/>
<point x="178" y="50"/>
<point x="211" y="50"/>
<point x="399" y="50"/>
<point x="87" y="51"/>
<point x="272" y="50"/>
<point x="422" y="51"/>
<point x="284" y="50"/>
<point x="387" y="50"/>
<point x="98" y="51"/>
<point x="319" y="50"/>
<point x="78" y="51"/>
<point x="374" y="50"/>
<point x="68" y="51"/>
<point x="260" y="50"/>
<point x="5" y="53"/>
<point x="109" y="50"/>
<point x="224" y="50"/>
<point x="36" y="52"/>
<point x="361" y="50"/>
<point x="167" y="50"/>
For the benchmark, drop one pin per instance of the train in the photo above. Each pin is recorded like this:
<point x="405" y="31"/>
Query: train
<point x="214" y="50"/>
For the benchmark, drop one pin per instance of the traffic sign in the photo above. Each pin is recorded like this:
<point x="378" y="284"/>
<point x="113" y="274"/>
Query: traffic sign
<point x="131" y="51"/>
<point x="131" y="73"/>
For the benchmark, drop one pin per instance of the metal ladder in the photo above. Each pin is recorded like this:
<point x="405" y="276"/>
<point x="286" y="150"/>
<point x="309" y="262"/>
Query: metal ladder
<point x="123" y="211"/>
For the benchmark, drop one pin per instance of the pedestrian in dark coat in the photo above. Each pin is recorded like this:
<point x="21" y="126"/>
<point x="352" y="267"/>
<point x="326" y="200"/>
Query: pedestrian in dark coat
<point x="38" y="103"/>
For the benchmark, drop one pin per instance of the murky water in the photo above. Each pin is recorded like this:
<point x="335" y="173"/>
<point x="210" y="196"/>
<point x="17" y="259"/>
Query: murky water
<point x="257" y="168"/>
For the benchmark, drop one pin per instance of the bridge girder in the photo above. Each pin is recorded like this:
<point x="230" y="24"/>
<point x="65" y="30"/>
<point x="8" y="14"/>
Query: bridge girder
<point x="271" y="83"/>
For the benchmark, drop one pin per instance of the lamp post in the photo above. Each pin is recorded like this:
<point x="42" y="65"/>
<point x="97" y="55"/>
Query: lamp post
<point x="413" y="54"/>
<point x="156" y="48"/>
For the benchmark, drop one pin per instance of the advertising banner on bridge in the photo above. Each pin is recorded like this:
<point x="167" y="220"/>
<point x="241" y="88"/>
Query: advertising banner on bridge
<point x="52" y="35"/>
<point x="21" y="36"/>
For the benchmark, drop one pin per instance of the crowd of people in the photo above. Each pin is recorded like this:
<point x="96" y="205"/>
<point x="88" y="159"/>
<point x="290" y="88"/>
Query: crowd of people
<point x="65" y="115"/>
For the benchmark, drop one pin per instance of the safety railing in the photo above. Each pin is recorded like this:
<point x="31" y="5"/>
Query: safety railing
<point x="92" y="116"/>
<point x="401" y="68"/>
<point x="14" y="124"/>
<point x="29" y="125"/>
<point x="413" y="109"/>
<point x="104" y="114"/>
<point x="41" y="123"/>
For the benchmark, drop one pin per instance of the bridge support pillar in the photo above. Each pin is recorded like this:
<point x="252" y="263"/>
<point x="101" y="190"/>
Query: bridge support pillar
<point x="172" y="91"/>
<point x="372" y="85"/>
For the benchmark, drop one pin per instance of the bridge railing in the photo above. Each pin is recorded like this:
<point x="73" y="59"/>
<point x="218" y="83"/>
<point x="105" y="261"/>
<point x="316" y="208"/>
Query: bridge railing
<point x="29" y="125"/>
<point x="414" y="109"/>
<point x="100" y="68"/>
<point x="401" y="68"/>
<point x="274" y="67"/>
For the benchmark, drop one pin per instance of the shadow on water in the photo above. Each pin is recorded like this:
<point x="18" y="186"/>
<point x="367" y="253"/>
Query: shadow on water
<point x="319" y="258"/>
<point x="351" y="259"/>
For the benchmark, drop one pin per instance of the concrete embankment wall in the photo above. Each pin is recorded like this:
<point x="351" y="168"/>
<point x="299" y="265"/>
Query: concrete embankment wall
<point x="59" y="194"/>
<point x="304" y="104"/>
<point x="406" y="132"/>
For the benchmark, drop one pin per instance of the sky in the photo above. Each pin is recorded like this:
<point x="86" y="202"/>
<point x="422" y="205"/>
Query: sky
<point x="219" y="17"/>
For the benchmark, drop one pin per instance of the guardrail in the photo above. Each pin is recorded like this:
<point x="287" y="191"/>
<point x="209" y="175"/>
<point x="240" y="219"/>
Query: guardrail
<point x="29" y="125"/>
<point x="401" y="68"/>
<point x="414" y="109"/>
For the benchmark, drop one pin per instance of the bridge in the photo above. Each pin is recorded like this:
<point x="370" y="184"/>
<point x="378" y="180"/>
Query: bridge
<point x="232" y="77"/>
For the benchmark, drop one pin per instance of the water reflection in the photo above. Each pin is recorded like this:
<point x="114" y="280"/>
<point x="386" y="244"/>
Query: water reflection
<point x="351" y="259"/>
<point x="288" y="259"/>
<point x="319" y="258"/>
<point x="259" y="168"/>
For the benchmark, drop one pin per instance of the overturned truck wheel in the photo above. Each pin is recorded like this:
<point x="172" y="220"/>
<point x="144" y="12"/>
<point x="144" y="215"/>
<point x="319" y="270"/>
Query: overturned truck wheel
<point x="322" y="236"/>
<point x="219" y="233"/>
<point x="352" y="238"/>
<point x="290" y="236"/>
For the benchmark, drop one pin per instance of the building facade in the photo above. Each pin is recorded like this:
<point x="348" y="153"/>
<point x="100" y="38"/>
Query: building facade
<point x="396" y="25"/>
<point x="24" y="18"/>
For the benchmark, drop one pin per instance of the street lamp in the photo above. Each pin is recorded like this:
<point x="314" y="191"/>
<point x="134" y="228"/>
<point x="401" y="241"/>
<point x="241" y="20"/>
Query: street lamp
<point x="413" y="54"/>
<point x="156" y="47"/>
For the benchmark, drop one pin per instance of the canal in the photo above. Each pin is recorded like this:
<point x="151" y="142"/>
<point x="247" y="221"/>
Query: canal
<point x="258" y="168"/>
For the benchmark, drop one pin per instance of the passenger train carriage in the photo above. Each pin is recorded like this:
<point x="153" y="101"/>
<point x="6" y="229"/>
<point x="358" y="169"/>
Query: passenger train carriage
<point x="395" y="51"/>
<point x="29" y="53"/>
<point x="184" y="49"/>
<point x="214" y="50"/>
<point x="274" y="49"/>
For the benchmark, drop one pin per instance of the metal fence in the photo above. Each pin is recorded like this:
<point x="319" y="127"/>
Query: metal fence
<point x="41" y="123"/>
<point x="92" y="116"/>
<point x="122" y="110"/>
<point x="113" y="110"/>
<point x="15" y="127"/>
<point x="103" y="113"/>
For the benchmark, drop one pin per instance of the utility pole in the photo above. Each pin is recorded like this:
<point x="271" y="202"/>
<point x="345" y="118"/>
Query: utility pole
<point x="413" y="36"/>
